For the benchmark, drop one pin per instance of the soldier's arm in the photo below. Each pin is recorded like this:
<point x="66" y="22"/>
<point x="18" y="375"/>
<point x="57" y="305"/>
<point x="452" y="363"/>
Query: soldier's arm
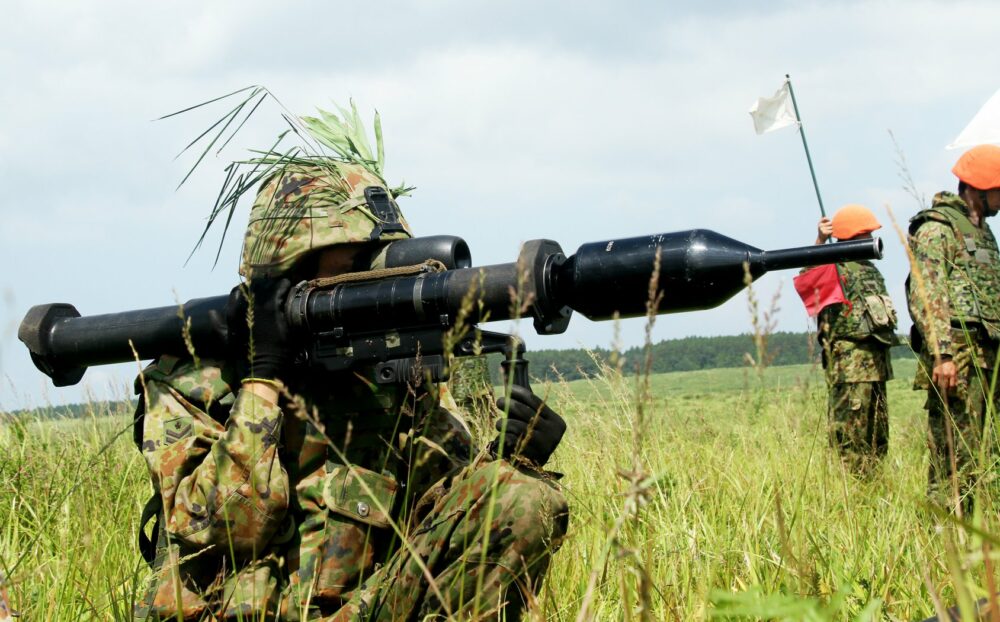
<point x="934" y="253"/>
<point x="824" y="230"/>
<point x="221" y="486"/>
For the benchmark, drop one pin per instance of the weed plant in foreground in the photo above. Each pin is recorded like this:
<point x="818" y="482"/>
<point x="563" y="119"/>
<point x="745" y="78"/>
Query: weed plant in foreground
<point x="745" y="513"/>
<point x="70" y="495"/>
<point x="747" y="501"/>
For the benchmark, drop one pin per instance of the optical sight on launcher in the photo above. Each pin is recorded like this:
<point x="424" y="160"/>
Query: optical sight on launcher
<point x="399" y="323"/>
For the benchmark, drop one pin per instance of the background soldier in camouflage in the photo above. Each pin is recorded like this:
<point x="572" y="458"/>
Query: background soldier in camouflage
<point x="855" y="338"/>
<point x="356" y="500"/>
<point x="955" y="305"/>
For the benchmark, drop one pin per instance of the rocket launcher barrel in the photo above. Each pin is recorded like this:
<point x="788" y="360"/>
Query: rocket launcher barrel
<point x="374" y="321"/>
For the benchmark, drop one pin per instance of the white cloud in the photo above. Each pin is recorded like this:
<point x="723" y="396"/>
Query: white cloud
<point x="576" y="122"/>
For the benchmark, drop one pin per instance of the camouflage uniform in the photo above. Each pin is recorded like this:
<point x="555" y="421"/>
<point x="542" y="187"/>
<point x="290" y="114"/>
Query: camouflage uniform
<point x="960" y="267"/>
<point x="856" y="338"/>
<point x="362" y="502"/>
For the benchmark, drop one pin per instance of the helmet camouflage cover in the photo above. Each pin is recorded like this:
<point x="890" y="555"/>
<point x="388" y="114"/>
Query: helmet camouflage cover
<point x="304" y="208"/>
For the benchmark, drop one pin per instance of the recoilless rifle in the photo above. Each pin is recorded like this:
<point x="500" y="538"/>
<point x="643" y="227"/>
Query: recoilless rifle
<point x="398" y="321"/>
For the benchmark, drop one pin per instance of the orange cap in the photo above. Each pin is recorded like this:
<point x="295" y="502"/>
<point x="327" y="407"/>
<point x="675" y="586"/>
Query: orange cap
<point x="979" y="167"/>
<point x="852" y="220"/>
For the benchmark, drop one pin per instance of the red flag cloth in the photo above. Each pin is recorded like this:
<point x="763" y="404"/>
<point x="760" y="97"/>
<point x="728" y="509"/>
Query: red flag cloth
<point x="819" y="287"/>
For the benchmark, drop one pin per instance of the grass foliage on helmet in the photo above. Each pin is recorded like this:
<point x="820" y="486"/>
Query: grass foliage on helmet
<point x="310" y="184"/>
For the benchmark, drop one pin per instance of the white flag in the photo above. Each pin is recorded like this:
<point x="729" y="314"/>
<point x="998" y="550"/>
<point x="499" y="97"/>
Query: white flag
<point x="984" y="127"/>
<point x="773" y="113"/>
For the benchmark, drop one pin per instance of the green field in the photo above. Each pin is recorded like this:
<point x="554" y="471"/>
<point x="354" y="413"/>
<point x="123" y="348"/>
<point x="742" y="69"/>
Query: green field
<point x="715" y="496"/>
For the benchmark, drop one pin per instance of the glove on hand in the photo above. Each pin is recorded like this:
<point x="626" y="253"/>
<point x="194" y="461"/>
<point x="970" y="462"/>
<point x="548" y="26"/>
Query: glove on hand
<point x="533" y="430"/>
<point x="271" y="353"/>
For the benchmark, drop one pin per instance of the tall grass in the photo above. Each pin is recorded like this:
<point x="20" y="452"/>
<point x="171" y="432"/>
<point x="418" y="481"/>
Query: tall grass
<point x="752" y="502"/>
<point x="745" y="512"/>
<point x="70" y="495"/>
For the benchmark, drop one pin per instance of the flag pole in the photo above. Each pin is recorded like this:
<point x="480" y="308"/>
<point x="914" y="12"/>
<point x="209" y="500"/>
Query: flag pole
<point x="819" y="198"/>
<point x="805" y="145"/>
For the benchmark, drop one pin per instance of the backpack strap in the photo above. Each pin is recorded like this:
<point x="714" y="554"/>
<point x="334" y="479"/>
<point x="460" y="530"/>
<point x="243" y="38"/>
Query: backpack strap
<point x="952" y="216"/>
<point x="137" y="421"/>
<point x="151" y="512"/>
<point x="154" y="505"/>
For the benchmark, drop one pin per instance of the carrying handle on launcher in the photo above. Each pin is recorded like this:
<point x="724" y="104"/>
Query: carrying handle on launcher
<point x="515" y="366"/>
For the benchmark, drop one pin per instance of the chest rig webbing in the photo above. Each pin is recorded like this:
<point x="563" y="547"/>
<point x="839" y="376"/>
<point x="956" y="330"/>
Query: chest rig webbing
<point x="868" y="313"/>
<point x="974" y="286"/>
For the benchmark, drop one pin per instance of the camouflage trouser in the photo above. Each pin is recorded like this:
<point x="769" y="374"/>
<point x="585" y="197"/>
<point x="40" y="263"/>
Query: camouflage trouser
<point x="480" y="553"/>
<point x="858" y="417"/>
<point x="955" y="432"/>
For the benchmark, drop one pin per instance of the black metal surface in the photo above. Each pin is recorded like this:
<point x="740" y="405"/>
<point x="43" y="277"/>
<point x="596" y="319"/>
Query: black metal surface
<point x="698" y="269"/>
<point x="395" y="318"/>
<point x="819" y="254"/>
<point x="450" y="250"/>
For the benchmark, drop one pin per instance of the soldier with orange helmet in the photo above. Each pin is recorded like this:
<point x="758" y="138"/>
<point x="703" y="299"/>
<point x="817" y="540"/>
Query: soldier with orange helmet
<point x="855" y="337"/>
<point x="954" y="300"/>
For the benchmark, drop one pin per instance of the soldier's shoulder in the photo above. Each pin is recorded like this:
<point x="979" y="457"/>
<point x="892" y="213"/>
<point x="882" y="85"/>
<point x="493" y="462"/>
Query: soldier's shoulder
<point x="929" y="215"/>
<point x="206" y="381"/>
<point x="860" y="265"/>
<point x="944" y="207"/>
<point x="868" y="269"/>
<point x="950" y="200"/>
<point x="932" y="231"/>
<point x="858" y="269"/>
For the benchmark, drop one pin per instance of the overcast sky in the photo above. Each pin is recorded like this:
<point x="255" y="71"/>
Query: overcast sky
<point x="575" y="121"/>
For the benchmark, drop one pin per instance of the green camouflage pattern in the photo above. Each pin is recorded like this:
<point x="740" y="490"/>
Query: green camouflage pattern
<point x="203" y="592"/>
<point x="972" y="348"/>
<point x="856" y="336"/>
<point x="237" y="494"/>
<point x="858" y="417"/>
<point x="487" y="542"/>
<point x="201" y="384"/>
<point x="856" y="361"/>
<point x="964" y="412"/>
<point x="869" y="312"/>
<point x="304" y="208"/>
<point x="224" y="493"/>
<point x="960" y="266"/>
<point x="261" y="515"/>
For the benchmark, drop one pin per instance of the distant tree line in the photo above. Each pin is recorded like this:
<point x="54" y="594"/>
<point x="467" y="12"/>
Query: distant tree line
<point x="686" y="354"/>
<point x="74" y="411"/>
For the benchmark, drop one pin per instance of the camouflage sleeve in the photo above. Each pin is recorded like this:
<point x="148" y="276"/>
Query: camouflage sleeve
<point x="221" y="486"/>
<point x="934" y="254"/>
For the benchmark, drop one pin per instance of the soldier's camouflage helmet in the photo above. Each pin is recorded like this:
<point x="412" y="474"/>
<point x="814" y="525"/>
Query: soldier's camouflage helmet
<point x="306" y="208"/>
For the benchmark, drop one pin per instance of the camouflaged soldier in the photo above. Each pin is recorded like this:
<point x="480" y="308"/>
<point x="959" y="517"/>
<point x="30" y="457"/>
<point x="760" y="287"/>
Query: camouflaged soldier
<point x="855" y="338"/>
<point x="358" y="501"/>
<point x="955" y="306"/>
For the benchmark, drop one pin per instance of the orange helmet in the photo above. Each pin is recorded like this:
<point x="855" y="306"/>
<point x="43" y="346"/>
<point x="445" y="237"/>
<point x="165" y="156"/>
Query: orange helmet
<point x="979" y="167"/>
<point x="852" y="220"/>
